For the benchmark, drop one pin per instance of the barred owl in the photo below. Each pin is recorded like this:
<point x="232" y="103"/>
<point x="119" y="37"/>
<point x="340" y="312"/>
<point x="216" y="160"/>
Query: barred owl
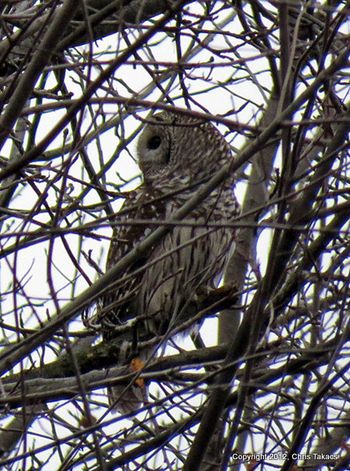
<point x="177" y="155"/>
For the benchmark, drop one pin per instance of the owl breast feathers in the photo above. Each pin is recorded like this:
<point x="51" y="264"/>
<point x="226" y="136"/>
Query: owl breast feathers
<point x="177" y="155"/>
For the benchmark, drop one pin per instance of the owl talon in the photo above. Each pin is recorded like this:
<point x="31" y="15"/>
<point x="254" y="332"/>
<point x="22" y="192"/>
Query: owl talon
<point x="136" y="365"/>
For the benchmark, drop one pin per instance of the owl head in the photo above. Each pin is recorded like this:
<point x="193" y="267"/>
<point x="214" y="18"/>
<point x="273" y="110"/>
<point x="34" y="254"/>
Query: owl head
<point x="177" y="145"/>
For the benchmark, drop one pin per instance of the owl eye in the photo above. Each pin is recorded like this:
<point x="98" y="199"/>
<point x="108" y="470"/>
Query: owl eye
<point x="154" y="142"/>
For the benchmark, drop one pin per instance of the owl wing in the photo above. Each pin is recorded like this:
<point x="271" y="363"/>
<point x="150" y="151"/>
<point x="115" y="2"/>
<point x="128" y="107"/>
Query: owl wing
<point x="117" y="305"/>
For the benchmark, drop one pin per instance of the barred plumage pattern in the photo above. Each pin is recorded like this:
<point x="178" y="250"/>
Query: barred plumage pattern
<point x="177" y="154"/>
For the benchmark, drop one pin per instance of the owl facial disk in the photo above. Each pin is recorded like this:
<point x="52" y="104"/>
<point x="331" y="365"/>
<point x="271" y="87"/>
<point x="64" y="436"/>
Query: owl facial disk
<point x="153" y="151"/>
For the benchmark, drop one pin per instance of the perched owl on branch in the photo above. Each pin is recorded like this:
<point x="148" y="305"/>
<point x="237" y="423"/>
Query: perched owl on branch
<point x="177" y="154"/>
